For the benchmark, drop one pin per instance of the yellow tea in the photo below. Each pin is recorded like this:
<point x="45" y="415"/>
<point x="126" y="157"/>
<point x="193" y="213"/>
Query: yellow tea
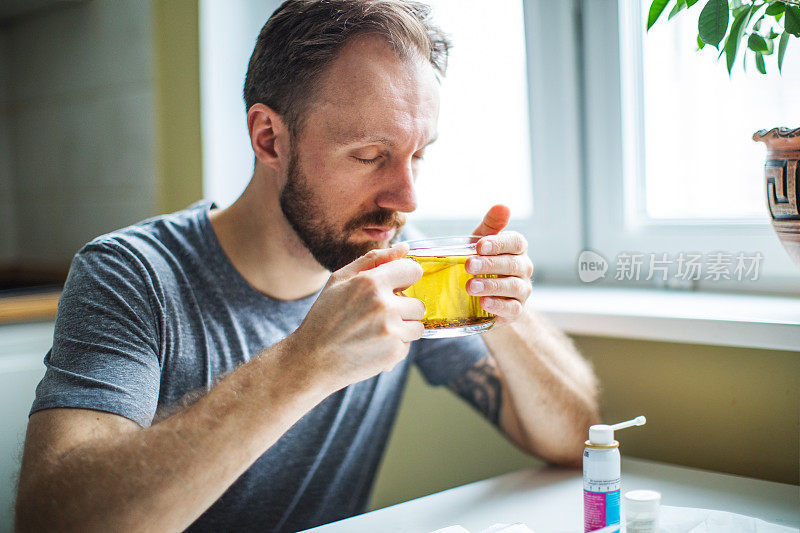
<point x="442" y="289"/>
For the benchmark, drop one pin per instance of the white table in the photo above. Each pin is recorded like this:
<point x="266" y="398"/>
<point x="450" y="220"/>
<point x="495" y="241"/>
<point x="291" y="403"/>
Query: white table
<point x="550" y="499"/>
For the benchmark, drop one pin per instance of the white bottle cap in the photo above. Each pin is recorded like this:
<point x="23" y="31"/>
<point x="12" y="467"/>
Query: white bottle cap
<point x="604" y="434"/>
<point x="642" y="501"/>
<point x="641" y="511"/>
<point x="601" y="434"/>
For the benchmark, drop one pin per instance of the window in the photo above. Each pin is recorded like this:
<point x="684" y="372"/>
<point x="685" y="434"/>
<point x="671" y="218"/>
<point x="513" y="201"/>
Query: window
<point x="657" y="181"/>
<point x="686" y="95"/>
<point x="482" y="156"/>
<point x="510" y="112"/>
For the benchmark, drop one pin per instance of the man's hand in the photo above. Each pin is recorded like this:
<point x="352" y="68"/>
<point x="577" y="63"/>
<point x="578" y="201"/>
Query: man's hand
<point x="506" y="256"/>
<point x="359" y="327"/>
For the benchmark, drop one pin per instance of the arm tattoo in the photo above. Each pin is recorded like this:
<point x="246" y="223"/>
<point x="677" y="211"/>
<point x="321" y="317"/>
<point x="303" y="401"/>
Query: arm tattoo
<point x="481" y="387"/>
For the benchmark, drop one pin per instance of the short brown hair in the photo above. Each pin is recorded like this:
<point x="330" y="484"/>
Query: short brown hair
<point x="303" y="36"/>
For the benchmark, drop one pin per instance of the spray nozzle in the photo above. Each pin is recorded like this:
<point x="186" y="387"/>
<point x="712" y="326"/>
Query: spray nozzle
<point x="604" y="434"/>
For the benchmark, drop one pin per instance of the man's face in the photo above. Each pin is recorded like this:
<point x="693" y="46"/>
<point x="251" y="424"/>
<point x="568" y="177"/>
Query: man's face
<point x="352" y="169"/>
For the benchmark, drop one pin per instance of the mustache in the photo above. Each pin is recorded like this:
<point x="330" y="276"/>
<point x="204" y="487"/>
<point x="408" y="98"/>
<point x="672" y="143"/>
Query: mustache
<point x="381" y="217"/>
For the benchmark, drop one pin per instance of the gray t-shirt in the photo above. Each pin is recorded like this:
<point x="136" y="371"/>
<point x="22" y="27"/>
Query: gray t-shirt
<point x="156" y="310"/>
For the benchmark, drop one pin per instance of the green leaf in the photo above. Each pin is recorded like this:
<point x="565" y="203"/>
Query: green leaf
<point x="690" y="3"/>
<point x="700" y="43"/>
<point x="732" y="44"/>
<point x="739" y="10"/>
<point x="782" y="49"/>
<point x="772" y="34"/>
<point x="656" y="8"/>
<point x="757" y="25"/>
<point x="760" y="63"/>
<point x="677" y="9"/>
<point x="713" y="22"/>
<point x="774" y="9"/>
<point x="792" y="23"/>
<point x="756" y="43"/>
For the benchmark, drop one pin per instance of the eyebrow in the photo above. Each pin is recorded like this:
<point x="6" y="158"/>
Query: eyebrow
<point x="361" y="139"/>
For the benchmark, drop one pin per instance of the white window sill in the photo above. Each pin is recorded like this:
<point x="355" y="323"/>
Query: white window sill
<point x="769" y="322"/>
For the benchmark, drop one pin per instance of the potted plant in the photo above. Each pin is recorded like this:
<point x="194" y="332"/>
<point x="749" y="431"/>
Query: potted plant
<point x="759" y="28"/>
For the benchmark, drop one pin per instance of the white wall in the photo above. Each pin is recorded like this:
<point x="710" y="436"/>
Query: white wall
<point x="228" y="32"/>
<point x="80" y="113"/>
<point x="22" y="348"/>
<point x="7" y="224"/>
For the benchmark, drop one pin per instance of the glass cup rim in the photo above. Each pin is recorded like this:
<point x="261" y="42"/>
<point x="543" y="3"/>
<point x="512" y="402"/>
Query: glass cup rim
<point x="443" y="243"/>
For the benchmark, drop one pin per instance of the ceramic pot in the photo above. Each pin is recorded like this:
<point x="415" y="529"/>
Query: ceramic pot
<point x="782" y="173"/>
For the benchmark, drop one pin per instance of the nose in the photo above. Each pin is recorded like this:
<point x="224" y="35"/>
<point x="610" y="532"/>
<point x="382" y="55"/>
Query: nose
<point x="397" y="191"/>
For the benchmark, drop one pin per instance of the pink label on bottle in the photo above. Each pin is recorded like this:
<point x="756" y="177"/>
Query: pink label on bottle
<point x="594" y="510"/>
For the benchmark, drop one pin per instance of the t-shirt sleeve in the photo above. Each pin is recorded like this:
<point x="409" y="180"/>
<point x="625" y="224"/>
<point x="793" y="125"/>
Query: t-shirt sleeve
<point x="105" y="345"/>
<point x="444" y="360"/>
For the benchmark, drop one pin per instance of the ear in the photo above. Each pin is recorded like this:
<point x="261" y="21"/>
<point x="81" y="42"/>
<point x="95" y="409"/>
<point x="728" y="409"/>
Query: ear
<point x="269" y="136"/>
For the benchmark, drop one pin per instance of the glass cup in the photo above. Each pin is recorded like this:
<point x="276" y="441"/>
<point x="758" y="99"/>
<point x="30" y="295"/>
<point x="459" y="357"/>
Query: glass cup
<point x="449" y="310"/>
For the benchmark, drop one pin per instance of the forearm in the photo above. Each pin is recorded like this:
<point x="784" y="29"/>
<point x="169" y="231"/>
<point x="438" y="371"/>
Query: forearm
<point x="163" y="477"/>
<point x="550" y="388"/>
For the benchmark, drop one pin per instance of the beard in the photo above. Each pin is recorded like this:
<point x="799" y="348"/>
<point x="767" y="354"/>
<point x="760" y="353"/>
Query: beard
<point x="330" y="247"/>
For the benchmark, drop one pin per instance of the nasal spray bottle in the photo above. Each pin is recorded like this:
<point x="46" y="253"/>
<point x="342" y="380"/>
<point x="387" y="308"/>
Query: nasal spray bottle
<point x="601" y="476"/>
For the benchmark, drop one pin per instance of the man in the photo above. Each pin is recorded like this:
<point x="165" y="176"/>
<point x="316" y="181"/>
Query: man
<point x="281" y="311"/>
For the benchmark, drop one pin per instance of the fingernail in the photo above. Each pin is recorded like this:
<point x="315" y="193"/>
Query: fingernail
<point x="476" y="265"/>
<point x="477" y="286"/>
<point x="487" y="247"/>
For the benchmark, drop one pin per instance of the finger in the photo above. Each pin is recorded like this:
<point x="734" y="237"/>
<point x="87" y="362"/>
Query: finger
<point x="504" y="308"/>
<point x="520" y="266"/>
<point x="399" y="274"/>
<point x="409" y="308"/>
<point x="411" y="330"/>
<point x="508" y="242"/>
<point x="495" y="220"/>
<point x="373" y="259"/>
<point x="510" y="287"/>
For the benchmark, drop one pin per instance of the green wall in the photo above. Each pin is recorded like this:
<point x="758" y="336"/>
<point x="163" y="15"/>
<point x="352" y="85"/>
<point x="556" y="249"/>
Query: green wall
<point x="733" y="410"/>
<point x="730" y="410"/>
<point x="177" y="84"/>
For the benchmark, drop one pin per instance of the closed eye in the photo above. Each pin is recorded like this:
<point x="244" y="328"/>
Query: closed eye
<point x="367" y="161"/>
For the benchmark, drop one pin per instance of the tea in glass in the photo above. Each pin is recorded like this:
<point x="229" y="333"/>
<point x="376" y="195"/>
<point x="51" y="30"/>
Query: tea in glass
<point x="449" y="310"/>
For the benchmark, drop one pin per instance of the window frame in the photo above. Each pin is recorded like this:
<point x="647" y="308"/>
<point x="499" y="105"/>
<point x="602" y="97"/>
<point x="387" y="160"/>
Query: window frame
<point x="614" y="171"/>
<point x="555" y="226"/>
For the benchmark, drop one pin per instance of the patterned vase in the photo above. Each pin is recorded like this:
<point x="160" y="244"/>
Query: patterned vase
<point x="782" y="173"/>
